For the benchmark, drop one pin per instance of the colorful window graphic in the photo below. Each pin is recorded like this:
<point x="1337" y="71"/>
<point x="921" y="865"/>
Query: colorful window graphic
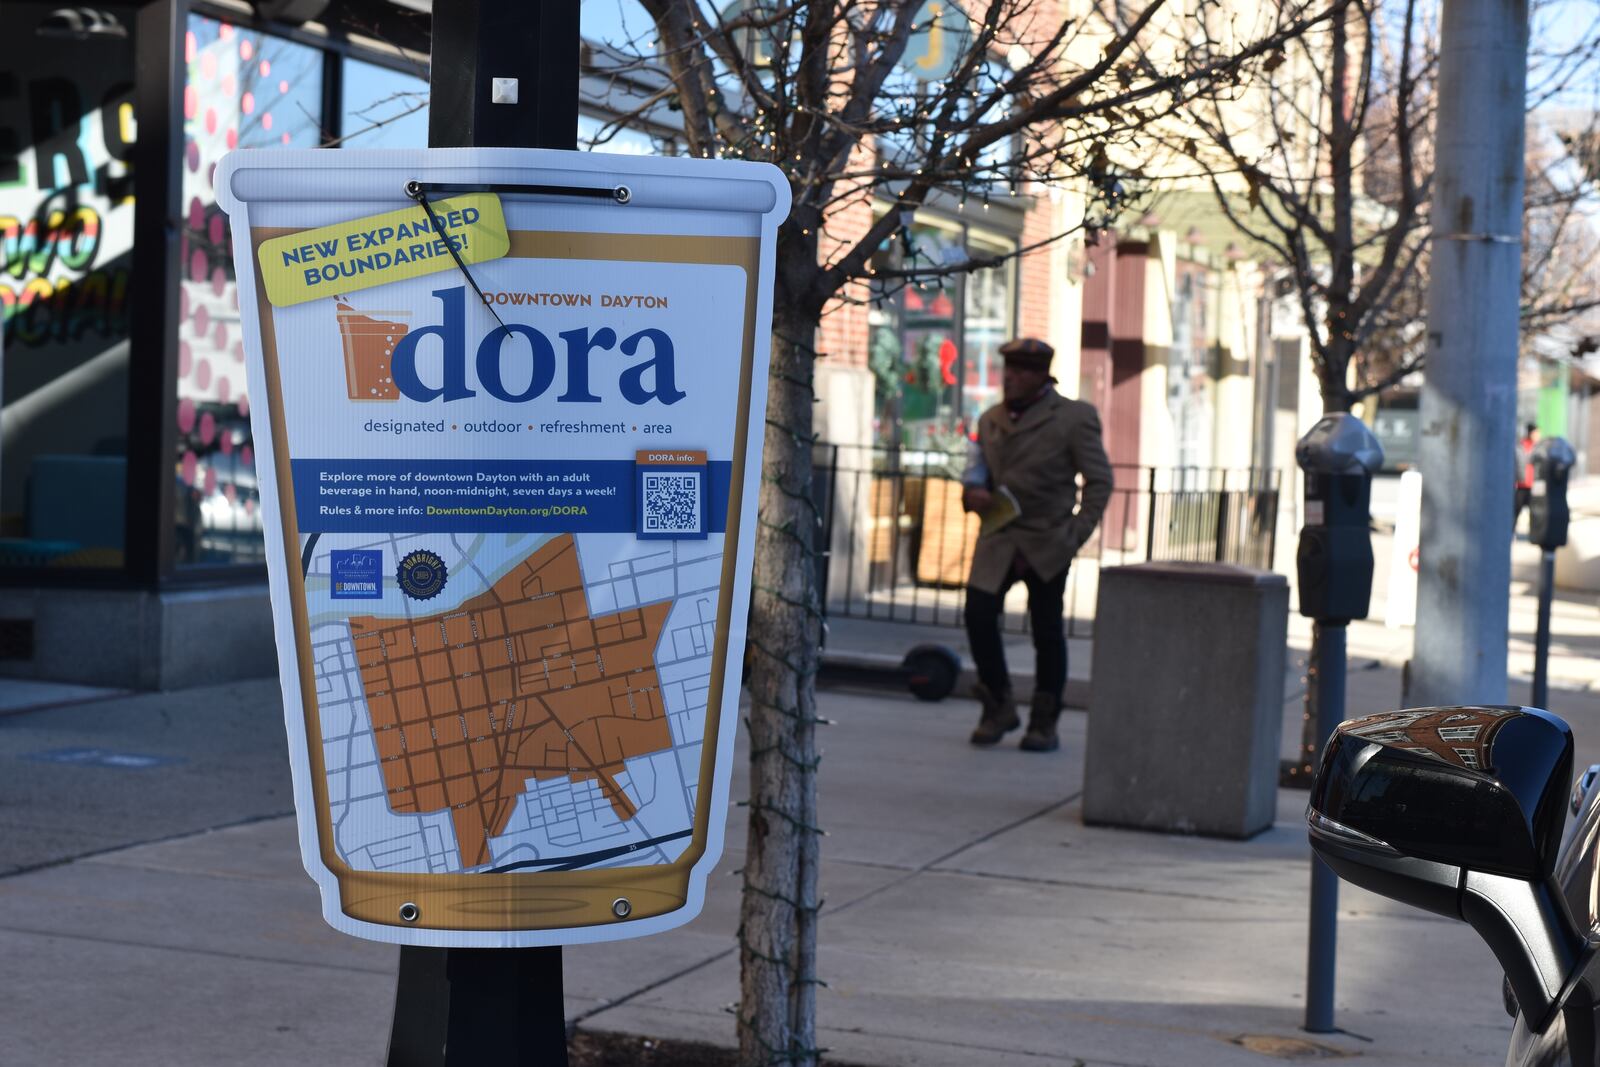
<point x="244" y="90"/>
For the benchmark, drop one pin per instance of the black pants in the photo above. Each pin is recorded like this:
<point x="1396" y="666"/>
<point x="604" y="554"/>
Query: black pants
<point x="1049" y="632"/>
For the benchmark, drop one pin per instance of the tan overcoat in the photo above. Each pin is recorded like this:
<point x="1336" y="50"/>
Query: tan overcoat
<point x="1039" y="457"/>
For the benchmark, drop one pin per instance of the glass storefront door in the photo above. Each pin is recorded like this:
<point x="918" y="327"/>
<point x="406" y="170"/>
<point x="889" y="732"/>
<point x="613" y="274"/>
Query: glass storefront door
<point x="934" y="349"/>
<point x="66" y="243"/>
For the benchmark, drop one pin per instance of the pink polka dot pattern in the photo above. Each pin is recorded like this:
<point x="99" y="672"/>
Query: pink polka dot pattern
<point x="198" y="265"/>
<point x="219" y="336"/>
<point x="185" y="416"/>
<point x="247" y="456"/>
<point x="224" y="389"/>
<point x="247" y="103"/>
<point x="191" y="101"/>
<point x="208" y="428"/>
<point x="185" y="360"/>
<point x="211" y="480"/>
<point x="202" y="320"/>
<point x="244" y="410"/>
<point x="188" y="468"/>
<point x="202" y="375"/>
<point x="246" y="49"/>
<point x="265" y="68"/>
<point x="219" y="281"/>
<point x="211" y="120"/>
<point x="191" y="156"/>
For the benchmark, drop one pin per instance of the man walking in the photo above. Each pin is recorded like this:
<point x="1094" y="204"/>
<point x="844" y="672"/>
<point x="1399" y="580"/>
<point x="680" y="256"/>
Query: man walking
<point x="1031" y="448"/>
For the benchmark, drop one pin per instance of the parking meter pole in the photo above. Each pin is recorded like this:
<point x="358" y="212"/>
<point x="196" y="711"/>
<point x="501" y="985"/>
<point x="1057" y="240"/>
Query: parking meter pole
<point x="1322" y="954"/>
<point x="1334" y="563"/>
<point x="503" y="73"/>
<point x="1541" y="646"/>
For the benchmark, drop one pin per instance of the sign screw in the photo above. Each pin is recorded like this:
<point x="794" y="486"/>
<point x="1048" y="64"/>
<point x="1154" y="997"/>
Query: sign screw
<point x="622" y="194"/>
<point x="621" y="908"/>
<point x="409" y="912"/>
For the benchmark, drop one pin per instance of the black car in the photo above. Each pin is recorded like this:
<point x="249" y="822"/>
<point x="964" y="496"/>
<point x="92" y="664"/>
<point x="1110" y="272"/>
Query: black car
<point x="1460" y="811"/>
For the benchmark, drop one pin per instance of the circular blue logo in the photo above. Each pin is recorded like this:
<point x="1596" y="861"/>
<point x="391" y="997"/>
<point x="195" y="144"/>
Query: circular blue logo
<point x="421" y="575"/>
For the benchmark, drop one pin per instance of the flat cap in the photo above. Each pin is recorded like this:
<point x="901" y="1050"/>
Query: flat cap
<point x="1028" y="352"/>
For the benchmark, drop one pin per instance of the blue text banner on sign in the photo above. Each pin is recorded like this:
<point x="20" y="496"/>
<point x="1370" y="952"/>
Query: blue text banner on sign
<point x="479" y="495"/>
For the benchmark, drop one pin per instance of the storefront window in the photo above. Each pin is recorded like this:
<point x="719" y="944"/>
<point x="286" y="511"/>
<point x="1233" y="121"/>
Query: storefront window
<point x="244" y="90"/>
<point x="990" y="300"/>
<point x="936" y="338"/>
<point x="383" y="108"/>
<point x="66" y="239"/>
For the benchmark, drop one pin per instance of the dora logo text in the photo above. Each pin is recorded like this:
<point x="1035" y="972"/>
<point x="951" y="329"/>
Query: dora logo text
<point x="516" y="364"/>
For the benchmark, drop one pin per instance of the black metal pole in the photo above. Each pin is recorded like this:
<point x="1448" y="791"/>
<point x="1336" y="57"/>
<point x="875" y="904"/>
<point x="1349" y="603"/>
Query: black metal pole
<point x="1322" y="952"/>
<point x="1541" y="645"/>
<point x="523" y="55"/>
<point x="503" y="73"/>
<point x="455" y="1007"/>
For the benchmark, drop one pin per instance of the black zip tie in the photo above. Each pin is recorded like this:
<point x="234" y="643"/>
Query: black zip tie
<point x="416" y="191"/>
<point x="620" y="193"/>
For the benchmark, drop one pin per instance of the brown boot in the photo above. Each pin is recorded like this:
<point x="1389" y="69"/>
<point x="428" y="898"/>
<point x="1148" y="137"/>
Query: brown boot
<point x="999" y="715"/>
<point x="1042" y="715"/>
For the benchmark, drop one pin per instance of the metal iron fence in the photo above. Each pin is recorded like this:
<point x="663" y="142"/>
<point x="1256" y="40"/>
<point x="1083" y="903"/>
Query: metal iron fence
<point x="897" y="545"/>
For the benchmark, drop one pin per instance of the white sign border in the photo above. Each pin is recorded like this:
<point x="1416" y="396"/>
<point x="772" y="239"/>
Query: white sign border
<point x="301" y="166"/>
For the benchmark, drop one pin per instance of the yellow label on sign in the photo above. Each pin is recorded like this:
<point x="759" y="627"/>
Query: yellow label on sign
<point x="380" y="249"/>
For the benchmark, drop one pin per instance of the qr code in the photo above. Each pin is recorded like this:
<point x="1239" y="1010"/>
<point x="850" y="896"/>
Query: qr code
<point x="672" y="503"/>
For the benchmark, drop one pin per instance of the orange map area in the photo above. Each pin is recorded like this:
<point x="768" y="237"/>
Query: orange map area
<point x="516" y="683"/>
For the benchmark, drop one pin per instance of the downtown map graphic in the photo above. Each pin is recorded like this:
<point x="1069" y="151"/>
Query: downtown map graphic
<point x="544" y="710"/>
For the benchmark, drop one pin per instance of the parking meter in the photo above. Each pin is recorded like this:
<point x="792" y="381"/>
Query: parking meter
<point x="1547" y="505"/>
<point x="1339" y="456"/>
<point x="1548" y="516"/>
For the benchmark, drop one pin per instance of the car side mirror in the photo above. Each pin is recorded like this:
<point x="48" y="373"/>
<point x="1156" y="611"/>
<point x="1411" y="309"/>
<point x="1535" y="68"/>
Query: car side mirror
<point x="1458" y="810"/>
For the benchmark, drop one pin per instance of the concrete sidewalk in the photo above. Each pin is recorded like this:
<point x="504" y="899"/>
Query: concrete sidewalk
<point x="971" y="918"/>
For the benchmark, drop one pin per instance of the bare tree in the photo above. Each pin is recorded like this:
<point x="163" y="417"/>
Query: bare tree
<point x="1327" y="163"/>
<point x="1024" y="95"/>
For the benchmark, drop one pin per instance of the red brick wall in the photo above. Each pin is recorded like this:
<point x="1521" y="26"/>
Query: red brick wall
<point x="845" y="331"/>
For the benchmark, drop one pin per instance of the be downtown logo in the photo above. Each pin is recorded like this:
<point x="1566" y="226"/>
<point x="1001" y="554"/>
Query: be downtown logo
<point x="357" y="574"/>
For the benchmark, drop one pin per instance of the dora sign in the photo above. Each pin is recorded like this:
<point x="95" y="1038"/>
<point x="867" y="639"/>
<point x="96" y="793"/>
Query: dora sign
<point x="508" y="402"/>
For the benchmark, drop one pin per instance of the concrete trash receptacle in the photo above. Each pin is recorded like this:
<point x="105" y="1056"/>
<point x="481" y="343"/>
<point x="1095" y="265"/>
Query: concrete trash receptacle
<point x="1186" y="698"/>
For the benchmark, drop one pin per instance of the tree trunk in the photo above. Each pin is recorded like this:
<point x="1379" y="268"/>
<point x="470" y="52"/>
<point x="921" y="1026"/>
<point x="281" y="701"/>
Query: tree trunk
<point x="777" y="930"/>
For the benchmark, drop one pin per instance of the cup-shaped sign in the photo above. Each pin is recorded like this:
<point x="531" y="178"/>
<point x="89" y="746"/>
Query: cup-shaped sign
<point x="508" y="412"/>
